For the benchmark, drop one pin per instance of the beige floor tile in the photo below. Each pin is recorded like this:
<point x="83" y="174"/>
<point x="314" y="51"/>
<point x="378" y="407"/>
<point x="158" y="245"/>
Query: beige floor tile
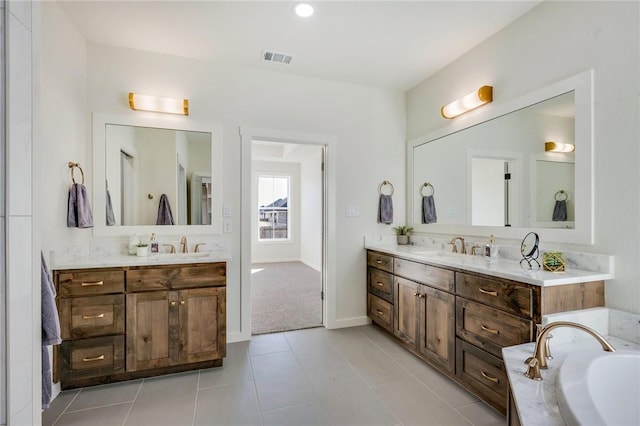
<point x="58" y="405"/>
<point x="414" y="404"/>
<point x="274" y="362"/>
<point x="99" y="396"/>
<point x="312" y="414"/>
<point x="480" y="414"/>
<point x="284" y="389"/>
<point x="234" y="404"/>
<point x="318" y="357"/>
<point x="268" y="343"/>
<point x="104" y="416"/>
<point x="235" y="369"/>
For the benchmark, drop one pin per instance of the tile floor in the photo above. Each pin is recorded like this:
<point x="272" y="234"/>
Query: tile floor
<point x="353" y="376"/>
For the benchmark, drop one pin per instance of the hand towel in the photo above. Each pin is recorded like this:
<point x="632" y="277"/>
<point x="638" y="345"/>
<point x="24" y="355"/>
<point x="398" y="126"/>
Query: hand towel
<point x="429" y="209"/>
<point x="560" y="211"/>
<point x="111" y="219"/>
<point x="165" y="217"/>
<point x="79" y="211"/>
<point x="385" y="209"/>
<point x="50" y="328"/>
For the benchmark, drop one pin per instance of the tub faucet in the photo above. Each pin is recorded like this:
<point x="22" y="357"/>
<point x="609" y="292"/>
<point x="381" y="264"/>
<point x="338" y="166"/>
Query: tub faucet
<point x="540" y="353"/>
<point x="185" y="246"/>
<point x="454" y="248"/>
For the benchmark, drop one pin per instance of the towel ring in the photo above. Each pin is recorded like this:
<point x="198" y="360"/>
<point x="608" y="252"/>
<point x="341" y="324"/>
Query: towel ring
<point x="427" y="185"/>
<point x="72" y="166"/>
<point x="560" y="194"/>
<point x="385" y="183"/>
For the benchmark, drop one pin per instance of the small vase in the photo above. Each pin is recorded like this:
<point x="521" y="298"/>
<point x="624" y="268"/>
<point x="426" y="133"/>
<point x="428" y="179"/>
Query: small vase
<point x="403" y="239"/>
<point x="141" y="251"/>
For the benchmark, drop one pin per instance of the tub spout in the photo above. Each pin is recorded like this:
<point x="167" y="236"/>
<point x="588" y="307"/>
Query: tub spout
<point x="540" y="353"/>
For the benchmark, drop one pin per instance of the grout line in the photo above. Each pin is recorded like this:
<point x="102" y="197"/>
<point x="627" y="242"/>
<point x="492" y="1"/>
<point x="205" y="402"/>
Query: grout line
<point x="100" y="406"/>
<point x="195" y="403"/>
<point x="135" y="398"/>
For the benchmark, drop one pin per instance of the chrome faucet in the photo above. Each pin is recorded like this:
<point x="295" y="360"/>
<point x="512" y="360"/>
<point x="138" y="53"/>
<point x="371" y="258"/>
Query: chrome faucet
<point x="540" y="353"/>
<point x="185" y="246"/>
<point x="454" y="248"/>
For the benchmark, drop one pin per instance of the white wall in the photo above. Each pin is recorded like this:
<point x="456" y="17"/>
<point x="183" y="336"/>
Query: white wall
<point x="362" y="119"/>
<point x="552" y="42"/>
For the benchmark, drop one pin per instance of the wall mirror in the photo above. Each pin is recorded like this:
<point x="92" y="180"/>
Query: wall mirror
<point x="145" y="167"/>
<point x="491" y="174"/>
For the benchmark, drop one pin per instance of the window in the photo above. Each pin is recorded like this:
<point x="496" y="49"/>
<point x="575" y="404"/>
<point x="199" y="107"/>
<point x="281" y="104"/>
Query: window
<point x="273" y="210"/>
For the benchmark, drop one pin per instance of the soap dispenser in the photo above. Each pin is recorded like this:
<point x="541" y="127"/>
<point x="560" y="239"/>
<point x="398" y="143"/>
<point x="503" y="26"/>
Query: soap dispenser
<point x="490" y="250"/>
<point x="153" y="244"/>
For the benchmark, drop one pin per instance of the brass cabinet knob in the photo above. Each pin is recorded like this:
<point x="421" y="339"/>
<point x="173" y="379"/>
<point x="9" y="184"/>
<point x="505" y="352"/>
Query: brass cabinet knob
<point x="172" y="303"/>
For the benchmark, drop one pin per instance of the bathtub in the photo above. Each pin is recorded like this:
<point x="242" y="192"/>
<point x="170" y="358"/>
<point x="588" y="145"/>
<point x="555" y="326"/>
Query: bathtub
<point x="600" y="388"/>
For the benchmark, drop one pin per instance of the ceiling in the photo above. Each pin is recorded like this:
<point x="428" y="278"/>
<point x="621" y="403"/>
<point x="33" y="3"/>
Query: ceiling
<point x="388" y="44"/>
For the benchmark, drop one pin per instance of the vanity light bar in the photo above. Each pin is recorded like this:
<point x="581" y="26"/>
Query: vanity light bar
<point x="158" y="104"/>
<point x="559" y="147"/>
<point x="473" y="100"/>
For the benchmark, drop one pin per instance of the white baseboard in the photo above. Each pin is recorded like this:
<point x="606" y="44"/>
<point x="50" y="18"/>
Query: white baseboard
<point x="349" y="322"/>
<point x="238" y="337"/>
<point x="279" y="260"/>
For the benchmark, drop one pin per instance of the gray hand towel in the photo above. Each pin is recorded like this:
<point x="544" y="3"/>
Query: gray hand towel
<point x="385" y="209"/>
<point x="111" y="219"/>
<point x="79" y="211"/>
<point x="560" y="211"/>
<point x="429" y="209"/>
<point x="165" y="217"/>
<point x="50" y="328"/>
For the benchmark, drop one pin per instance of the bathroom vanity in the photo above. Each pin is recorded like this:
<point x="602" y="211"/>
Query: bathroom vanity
<point x="457" y="312"/>
<point x="139" y="319"/>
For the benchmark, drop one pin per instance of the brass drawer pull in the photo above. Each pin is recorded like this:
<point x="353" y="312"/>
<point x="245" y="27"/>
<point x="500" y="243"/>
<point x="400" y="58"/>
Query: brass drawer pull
<point x="172" y="303"/>
<point x="490" y="330"/>
<point x="378" y="261"/>
<point x="98" y="358"/>
<point x="490" y="377"/>
<point x="380" y="284"/>
<point x="92" y="283"/>
<point x="489" y="292"/>
<point x="182" y="302"/>
<point x="380" y="312"/>
<point x="92" y="316"/>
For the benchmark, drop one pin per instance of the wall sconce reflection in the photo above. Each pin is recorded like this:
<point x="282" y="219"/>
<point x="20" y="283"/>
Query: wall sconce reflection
<point x="559" y="147"/>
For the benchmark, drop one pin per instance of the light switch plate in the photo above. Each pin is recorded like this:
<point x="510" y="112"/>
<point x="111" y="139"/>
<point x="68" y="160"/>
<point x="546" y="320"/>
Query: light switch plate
<point x="352" y="211"/>
<point x="226" y="210"/>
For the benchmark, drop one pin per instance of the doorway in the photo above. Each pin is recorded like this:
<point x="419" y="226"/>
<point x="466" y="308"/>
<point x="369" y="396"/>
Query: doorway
<point x="287" y="272"/>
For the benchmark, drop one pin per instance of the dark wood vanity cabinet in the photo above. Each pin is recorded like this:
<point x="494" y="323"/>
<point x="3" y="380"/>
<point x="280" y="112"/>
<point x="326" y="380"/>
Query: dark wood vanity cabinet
<point x="124" y="323"/>
<point x="459" y="321"/>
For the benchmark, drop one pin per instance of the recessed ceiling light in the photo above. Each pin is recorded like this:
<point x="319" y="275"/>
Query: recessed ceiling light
<point x="303" y="10"/>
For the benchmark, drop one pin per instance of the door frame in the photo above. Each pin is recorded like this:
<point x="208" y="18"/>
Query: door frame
<point x="328" y="142"/>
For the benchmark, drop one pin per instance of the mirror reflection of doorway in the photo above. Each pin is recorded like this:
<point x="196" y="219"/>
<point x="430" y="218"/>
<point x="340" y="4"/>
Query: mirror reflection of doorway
<point x="287" y="241"/>
<point x="127" y="189"/>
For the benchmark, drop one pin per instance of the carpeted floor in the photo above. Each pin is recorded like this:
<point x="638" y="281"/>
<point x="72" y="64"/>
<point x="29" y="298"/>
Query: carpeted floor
<point x="284" y="296"/>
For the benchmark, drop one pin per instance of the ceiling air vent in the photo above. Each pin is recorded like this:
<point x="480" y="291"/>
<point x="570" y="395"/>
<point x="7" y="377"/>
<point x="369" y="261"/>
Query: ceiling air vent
<point x="279" y="58"/>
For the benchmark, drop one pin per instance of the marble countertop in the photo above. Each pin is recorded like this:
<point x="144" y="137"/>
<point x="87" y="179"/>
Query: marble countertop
<point x="536" y="400"/>
<point x="500" y="267"/>
<point x="116" y="260"/>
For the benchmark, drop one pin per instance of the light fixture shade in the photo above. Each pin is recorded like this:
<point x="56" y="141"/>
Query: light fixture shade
<point x="473" y="100"/>
<point x="559" y="147"/>
<point x="158" y="104"/>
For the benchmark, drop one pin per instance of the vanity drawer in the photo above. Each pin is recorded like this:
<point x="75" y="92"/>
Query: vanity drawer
<point x="510" y="297"/>
<point x="489" y="328"/>
<point x="380" y="311"/>
<point x="82" y="317"/>
<point x="380" y="261"/>
<point x="172" y="277"/>
<point x="430" y="275"/>
<point x="483" y="373"/>
<point x="90" y="282"/>
<point x="380" y="283"/>
<point x="99" y="356"/>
